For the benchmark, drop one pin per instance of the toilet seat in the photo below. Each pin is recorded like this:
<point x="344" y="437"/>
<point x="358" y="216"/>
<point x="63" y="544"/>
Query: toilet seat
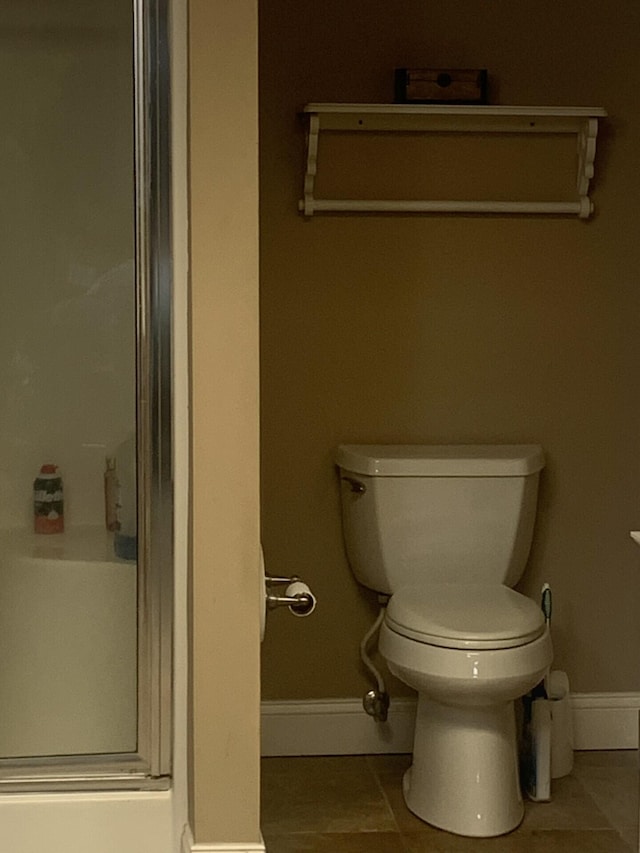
<point x="465" y="616"/>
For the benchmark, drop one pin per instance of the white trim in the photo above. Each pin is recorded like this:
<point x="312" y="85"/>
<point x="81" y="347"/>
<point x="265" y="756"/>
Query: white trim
<point x="335" y="727"/>
<point x="605" y="720"/>
<point x="187" y="840"/>
<point x="236" y="848"/>
<point x="341" y="727"/>
<point x="99" y="822"/>
<point x="456" y="110"/>
<point x="190" y="846"/>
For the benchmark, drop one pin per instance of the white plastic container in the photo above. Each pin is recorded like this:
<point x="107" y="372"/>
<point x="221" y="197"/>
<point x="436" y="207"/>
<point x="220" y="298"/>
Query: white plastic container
<point x="538" y="759"/>
<point x="547" y="747"/>
<point x="561" y="724"/>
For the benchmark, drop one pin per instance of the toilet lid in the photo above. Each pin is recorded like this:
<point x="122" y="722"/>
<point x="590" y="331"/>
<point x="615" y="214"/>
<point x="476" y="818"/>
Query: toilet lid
<point x="465" y="616"/>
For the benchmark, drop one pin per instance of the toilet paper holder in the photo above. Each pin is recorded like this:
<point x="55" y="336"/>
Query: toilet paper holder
<point x="297" y="595"/>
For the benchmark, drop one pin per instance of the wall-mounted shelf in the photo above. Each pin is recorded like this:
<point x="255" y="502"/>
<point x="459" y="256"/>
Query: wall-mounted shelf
<point x="413" y="118"/>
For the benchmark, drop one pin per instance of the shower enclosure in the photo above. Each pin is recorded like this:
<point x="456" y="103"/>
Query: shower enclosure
<point x="85" y="594"/>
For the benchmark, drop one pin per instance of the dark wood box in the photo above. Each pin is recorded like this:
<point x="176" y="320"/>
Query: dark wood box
<point x="440" y="86"/>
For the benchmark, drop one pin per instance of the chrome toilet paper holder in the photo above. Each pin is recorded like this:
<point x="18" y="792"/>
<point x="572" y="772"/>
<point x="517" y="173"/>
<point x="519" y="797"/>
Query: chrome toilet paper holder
<point x="297" y="595"/>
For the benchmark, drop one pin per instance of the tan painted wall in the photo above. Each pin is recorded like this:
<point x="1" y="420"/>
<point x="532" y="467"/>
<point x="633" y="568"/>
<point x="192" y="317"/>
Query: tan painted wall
<point x="435" y="329"/>
<point x="224" y="321"/>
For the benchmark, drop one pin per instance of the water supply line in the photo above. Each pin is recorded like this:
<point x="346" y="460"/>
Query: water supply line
<point x="375" y="702"/>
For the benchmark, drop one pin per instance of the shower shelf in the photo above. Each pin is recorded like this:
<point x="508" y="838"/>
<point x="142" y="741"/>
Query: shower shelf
<point x="418" y="118"/>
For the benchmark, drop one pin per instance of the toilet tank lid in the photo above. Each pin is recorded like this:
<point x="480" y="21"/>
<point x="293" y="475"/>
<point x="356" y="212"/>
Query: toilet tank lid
<point x="441" y="460"/>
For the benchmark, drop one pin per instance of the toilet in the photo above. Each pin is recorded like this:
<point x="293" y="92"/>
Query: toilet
<point x="445" y="531"/>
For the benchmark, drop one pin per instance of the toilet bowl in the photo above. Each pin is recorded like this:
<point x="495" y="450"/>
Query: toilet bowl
<point x="445" y="531"/>
<point x="464" y="775"/>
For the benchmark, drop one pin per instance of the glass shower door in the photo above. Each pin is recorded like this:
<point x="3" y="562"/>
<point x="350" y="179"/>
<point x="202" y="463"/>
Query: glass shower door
<point x="85" y="557"/>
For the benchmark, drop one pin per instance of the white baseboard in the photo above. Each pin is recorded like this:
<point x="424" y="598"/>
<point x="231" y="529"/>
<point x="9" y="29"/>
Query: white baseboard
<point x="341" y="727"/>
<point x="335" y="727"/>
<point x="605" y="720"/>
<point x="190" y="846"/>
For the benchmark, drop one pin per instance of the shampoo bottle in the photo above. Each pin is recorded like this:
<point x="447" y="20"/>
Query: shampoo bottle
<point x="48" y="505"/>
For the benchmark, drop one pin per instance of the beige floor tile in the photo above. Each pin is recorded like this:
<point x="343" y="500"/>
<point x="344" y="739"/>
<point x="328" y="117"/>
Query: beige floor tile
<point x="354" y="804"/>
<point x="320" y="795"/>
<point x="405" y="820"/>
<point x="614" y="786"/>
<point x="391" y="764"/>
<point x="629" y="835"/>
<point x="444" y="842"/>
<point x="389" y="770"/>
<point x="573" y="841"/>
<point x="571" y="807"/>
<point x="349" y="842"/>
<point x="554" y="841"/>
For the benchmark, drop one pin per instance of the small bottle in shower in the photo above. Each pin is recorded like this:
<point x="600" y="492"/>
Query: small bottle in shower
<point x="48" y="504"/>
<point x="111" y="490"/>
<point x="125" y="540"/>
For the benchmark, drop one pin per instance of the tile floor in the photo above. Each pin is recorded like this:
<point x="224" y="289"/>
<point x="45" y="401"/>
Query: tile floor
<point x="353" y="804"/>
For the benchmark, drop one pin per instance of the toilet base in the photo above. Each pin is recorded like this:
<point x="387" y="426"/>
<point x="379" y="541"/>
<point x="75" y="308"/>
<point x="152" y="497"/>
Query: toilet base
<point x="464" y="777"/>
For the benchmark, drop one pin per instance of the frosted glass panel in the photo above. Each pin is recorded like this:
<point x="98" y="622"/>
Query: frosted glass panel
<point x="67" y="379"/>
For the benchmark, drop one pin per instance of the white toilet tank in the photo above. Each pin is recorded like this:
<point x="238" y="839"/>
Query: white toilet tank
<point x="421" y="513"/>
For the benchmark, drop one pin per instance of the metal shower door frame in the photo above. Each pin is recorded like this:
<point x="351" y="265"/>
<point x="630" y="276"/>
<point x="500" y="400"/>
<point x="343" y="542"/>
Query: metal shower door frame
<point x="150" y="766"/>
